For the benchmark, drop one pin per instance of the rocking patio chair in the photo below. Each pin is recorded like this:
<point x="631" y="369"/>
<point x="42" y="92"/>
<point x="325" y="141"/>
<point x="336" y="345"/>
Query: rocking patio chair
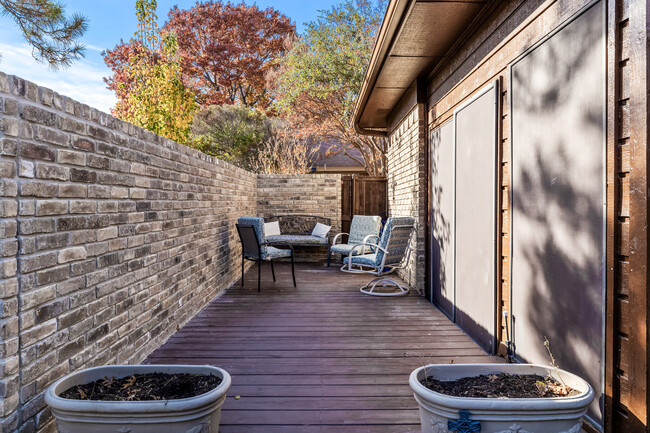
<point x="255" y="248"/>
<point x="392" y="252"/>
<point x="363" y="229"/>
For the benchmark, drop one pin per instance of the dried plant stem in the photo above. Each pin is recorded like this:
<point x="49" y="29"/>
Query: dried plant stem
<point x="425" y="361"/>
<point x="283" y="155"/>
<point x="547" y="344"/>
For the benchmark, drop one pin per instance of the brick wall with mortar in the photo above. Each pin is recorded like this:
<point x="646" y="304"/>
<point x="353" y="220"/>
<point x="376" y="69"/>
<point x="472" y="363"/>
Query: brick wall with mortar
<point x="407" y="187"/>
<point x="304" y="194"/>
<point x="110" y="238"/>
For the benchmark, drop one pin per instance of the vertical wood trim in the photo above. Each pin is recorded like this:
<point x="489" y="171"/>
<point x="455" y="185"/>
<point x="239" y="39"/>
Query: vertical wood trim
<point x="612" y="186"/>
<point x="346" y="203"/>
<point x="638" y="210"/>
<point x="498" y="218"/>
<point x="355" y="195"/>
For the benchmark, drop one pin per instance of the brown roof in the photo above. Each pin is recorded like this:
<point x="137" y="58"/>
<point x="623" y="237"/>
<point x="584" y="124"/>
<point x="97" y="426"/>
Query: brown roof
<point x="329" y="153"/>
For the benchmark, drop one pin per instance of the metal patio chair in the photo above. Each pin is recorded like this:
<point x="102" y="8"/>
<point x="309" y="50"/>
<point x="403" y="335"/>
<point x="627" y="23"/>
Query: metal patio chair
<point x="363" y="229"/>
<point x="392" y="252"/>
<point x="255" y="248"/>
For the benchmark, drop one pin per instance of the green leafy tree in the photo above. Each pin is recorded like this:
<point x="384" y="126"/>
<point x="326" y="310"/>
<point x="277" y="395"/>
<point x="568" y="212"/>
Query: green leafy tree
<point x="232" y="133"/>
<point x="52" y="35"/>
<point x="320" y="77"/>
<point x="149" y="85"/>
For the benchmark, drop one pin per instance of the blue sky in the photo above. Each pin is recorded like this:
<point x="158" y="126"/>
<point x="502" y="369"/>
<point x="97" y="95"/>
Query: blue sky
<point x="110" y="21"/>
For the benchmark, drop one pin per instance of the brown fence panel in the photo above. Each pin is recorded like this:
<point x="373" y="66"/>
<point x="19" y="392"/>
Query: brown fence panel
<point x="362" y="195"/>
<point x="369" y="195"/>
<point x="346" y="203"/>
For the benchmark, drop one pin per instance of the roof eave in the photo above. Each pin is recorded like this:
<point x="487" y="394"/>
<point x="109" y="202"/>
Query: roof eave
<point x="390" y="26"/>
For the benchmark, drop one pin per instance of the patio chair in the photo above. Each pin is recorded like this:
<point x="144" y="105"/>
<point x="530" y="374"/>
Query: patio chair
<point x="363" y="229"/>
<point x="255" y="248"/>
<point x="392" y="252"/>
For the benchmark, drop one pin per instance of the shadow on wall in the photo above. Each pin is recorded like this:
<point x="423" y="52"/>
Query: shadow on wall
<point x="441" y="233"/>
<point x="557" y="200"/>
<point x="225" y="253"/>
<point x="565" y="279"/>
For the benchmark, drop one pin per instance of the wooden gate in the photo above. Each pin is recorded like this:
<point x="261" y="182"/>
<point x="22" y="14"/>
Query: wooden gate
<point x="362" y="195"/>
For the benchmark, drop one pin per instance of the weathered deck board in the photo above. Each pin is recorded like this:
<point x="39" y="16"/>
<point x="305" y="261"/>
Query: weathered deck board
<point x="318" y="358"/>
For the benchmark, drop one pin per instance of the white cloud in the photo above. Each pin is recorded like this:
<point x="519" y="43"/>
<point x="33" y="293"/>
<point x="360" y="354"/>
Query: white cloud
<point x="83" y="81"/>
<point x="93" y="47"/>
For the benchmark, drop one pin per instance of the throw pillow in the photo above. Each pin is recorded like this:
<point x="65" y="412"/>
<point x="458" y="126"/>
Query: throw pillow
<point x="272" y="229"/>
<point x="321" y="230"/>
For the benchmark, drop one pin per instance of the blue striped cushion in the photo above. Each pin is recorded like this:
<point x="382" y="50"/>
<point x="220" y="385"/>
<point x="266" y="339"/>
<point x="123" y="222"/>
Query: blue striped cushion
<point x="365" y="260"/>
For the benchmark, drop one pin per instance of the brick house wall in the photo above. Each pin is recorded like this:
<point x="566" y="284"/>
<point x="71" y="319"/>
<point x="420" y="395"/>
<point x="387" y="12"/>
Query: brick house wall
<point x="407" y="186"/>
<point x="111" y="238"/>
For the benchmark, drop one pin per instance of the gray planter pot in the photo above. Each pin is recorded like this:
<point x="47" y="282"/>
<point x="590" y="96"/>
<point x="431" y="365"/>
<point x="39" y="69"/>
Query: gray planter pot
<point x="499" y="415"/>
<point x="198" y="414"/>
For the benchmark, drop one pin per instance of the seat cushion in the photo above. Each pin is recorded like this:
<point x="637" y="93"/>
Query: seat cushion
<point x="345" y="249"/>
<point x="297" y="240"/>
<point x="365" y="260"/>
<point x="276" y="253"/>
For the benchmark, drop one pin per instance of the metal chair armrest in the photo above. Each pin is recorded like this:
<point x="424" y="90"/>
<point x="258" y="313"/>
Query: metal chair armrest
<point x="286" y="244"/>
<point x="367" y="238"/>
<point x="365" y="244"/>
<point x="337" y="236"/>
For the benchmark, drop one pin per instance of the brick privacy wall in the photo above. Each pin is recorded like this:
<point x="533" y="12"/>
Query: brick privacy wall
<point x="302" y="194"/>
<point x="407" y="187"/>
<point x="110" y="238"/>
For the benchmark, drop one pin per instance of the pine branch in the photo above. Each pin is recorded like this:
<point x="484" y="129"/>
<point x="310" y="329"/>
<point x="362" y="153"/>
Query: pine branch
<point x="52" y="35"/>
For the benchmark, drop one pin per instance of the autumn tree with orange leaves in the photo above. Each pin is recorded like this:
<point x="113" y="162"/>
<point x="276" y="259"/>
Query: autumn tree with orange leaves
<point x="227" y="49"/>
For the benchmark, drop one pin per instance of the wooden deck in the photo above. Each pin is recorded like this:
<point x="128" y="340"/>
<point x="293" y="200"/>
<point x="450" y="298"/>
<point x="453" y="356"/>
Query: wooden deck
<point x="321" y="357"/>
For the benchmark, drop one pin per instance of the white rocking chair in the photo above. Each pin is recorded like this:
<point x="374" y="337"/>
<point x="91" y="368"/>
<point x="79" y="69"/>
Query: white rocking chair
<point x="392" y="252"/>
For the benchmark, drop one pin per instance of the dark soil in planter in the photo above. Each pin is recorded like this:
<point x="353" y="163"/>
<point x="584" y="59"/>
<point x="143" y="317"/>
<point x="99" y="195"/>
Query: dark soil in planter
<point x="501" y="385"/>
<point x="140" y="387"/>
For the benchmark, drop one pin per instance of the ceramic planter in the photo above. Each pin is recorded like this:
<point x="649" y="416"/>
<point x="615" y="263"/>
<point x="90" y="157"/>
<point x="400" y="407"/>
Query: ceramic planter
<point x="198" y="414"/>
<point x="442" y="413"/>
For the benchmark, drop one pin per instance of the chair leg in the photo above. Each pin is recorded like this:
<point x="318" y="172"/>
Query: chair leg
<point x="272" y="270"/>
<point x="293" y="274"/>
<point x="259" y="275"/>
<point x="242" y="271"/>
<point x="369" y="289"/>
<point x="329" y="255"/>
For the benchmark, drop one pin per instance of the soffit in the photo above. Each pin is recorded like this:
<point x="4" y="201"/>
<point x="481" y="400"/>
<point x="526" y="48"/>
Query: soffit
<point x="427" y="30"/>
